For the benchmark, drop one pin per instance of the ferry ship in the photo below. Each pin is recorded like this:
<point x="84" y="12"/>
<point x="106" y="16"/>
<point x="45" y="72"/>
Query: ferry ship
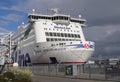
<point x="51" y="39"/>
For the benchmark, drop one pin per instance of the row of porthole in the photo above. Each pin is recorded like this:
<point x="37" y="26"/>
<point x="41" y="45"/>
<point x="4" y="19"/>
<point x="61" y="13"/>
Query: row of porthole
<point x="60" y="44"/>
<point x="62" y="34"/>
<point x="61" y="30"/>
<point x="59" y="39"/>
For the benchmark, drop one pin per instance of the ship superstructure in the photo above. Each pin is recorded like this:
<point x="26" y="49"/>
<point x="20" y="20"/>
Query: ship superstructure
<point x="56" y="38"/>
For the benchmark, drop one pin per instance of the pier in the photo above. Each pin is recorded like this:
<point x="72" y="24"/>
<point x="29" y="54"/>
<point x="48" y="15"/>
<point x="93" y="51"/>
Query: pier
<point x="63" y="79"/>
<point x="84" y="73"/>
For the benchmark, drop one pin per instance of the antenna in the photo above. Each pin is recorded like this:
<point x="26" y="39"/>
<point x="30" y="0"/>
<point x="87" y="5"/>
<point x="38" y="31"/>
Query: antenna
<point x="79" y="16"/>
<point x="33" y="10"/>
<point x="55" y="10"/>
<point x="23" y="23"/>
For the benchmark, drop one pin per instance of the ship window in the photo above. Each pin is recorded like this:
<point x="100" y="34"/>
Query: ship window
<point x="52" y="18"/>
<point x="72" y="35"/>
<point x="19" y="51"/>
<point x="45" y="28"/>
<point x="52" y="44"/>
<point x="55" y="39"/>
<point x="50" y="33"/>
<point x="48" y="18"/>
<point x="62" y="35"/>
<point x="60" y="44"/>
<point x="75" y="35"/>
<point x="63" y="39"/>
<point x="69" y="35"/>
<point x="65" y="35"/>
<point x="57" y="18"/>
<point x="59" y="39"/>
<point x="81" y="22"/>
<point x="52" y="39"/>
<point x="78" y="36"/>
<point x="33" y="17"/>
<point x="54" y="34"/>
<point x="76" y="26"/>
<point x="36" y="17"/>
<point x="48" y="39"/>
<point x="66" y="18"/>
<point x="58" y="34"/>
<point x="47" y="34"/>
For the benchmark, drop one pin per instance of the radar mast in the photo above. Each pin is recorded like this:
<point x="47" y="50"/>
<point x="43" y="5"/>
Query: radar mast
<point x="55" y="10"/>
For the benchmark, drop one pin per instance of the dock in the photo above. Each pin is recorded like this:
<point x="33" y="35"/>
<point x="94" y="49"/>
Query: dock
<point x="38" y="78"/>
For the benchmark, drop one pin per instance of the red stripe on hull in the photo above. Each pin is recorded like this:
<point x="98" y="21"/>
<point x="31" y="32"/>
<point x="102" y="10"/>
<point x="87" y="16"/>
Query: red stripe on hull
<point x="72" y="62"/>
<point x="60" y="63"/>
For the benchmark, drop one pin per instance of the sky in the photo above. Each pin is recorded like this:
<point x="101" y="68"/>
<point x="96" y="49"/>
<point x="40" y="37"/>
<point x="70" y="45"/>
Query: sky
<point x="103" y="19"/>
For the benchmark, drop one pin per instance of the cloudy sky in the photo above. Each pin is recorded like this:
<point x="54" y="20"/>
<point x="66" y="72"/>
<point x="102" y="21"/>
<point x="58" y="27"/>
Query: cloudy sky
<point x="103" y="19"/>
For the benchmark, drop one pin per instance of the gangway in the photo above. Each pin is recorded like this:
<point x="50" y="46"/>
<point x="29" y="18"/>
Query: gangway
<point x="5" y="49"/>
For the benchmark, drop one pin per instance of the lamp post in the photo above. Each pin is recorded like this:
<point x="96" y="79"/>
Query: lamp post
<point x="10" y="43"/>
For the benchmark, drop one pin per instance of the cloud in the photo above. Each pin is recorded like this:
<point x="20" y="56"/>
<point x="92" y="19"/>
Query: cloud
<point x="4" y="23"/>
<point x="106" y="39"/>
<point x="3" y="30"/>
<point x="103" y="18"/>
<point x="97" y="13"/>
<point x="28" y="5"/>
<point x="12" y="17"/>
<point x="99" y="33"/>
<point x="92" y="10"/>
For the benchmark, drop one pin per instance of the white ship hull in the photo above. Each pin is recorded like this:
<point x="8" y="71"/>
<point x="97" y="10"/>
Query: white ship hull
<point x="66" y="54"/>
<point x="64" y="57"/>
<point x="51" y="39"/>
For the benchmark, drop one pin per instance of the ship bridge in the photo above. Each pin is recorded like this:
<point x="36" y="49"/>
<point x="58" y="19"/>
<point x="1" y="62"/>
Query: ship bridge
<point x="57" y="18"/>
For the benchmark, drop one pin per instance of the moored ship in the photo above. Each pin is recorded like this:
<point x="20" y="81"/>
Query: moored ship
<point x="56" y="38"/>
